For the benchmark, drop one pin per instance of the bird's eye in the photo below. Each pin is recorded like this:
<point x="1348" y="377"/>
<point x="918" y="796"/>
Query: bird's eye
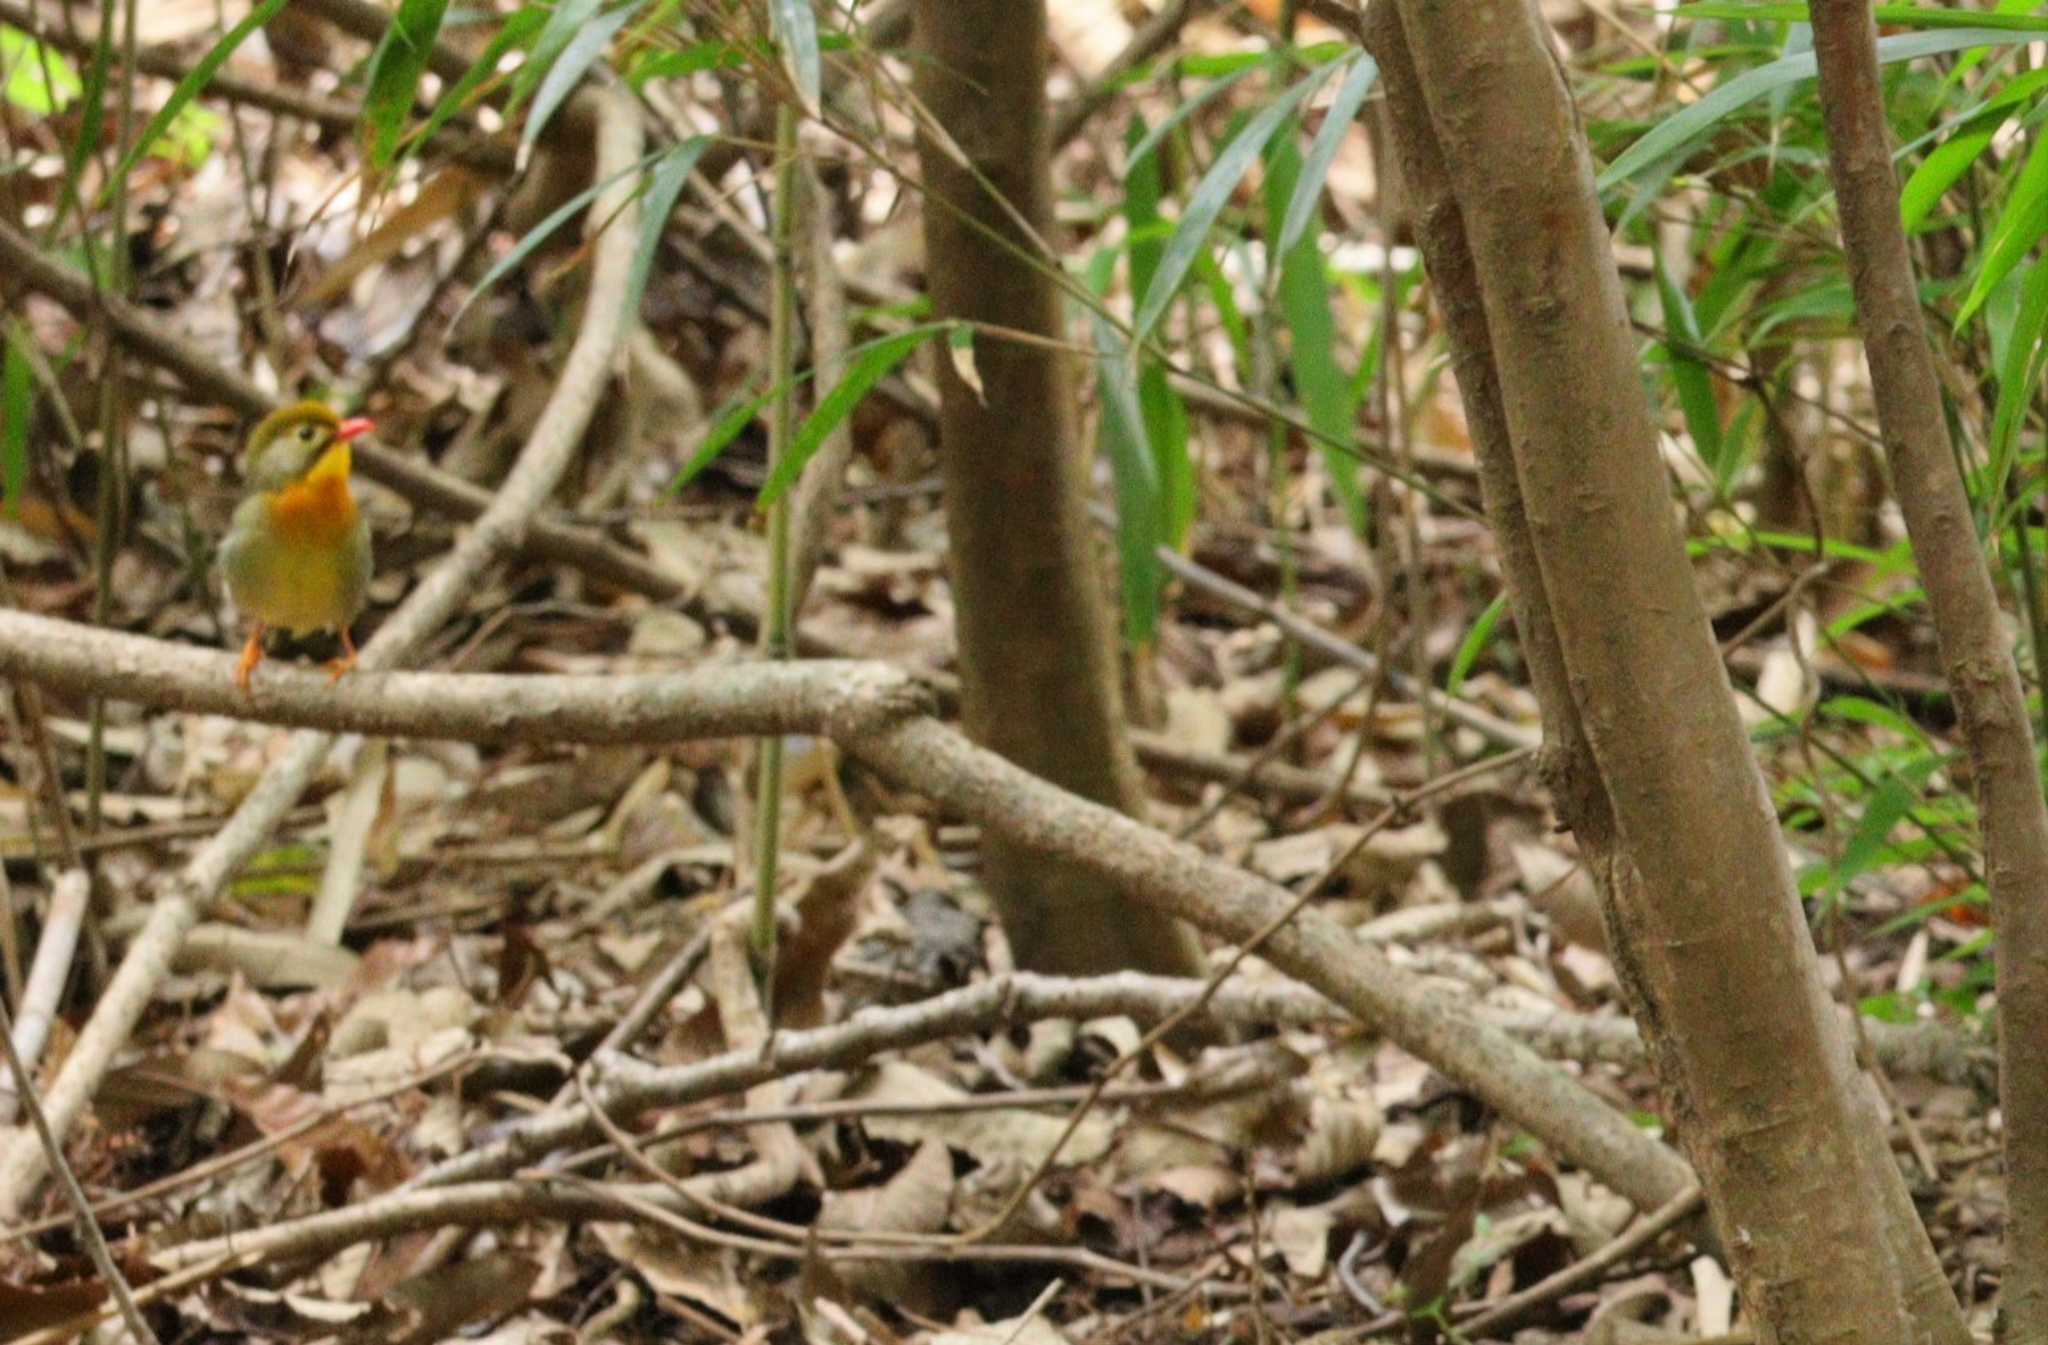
<point x="305" y="434"/>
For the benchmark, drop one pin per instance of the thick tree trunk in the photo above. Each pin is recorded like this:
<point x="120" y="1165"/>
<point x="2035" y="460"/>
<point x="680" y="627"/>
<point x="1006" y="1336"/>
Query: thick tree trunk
<point x="1974" y="645"/>
<point x="1037" y="660"/>
<point x="1650" y="760"/>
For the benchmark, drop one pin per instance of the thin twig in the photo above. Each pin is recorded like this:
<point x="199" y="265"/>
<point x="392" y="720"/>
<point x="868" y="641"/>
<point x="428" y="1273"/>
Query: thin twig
<point x="74" y="1194"/>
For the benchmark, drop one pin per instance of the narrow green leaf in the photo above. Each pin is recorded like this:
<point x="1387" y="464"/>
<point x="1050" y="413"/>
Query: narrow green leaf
<point x="2019" y="373"/>
<point x="541" y="232"/>
<point x="565" y="21"/>
<point x="1150" y="140"/>
<point x="1135" y="473"/>
<point x="1690" y="378"/>
<point x="196" y="79"/>
<point x="1473" y="645"/>
<point x="734" y="419"/>
<point x="589" y="43"/>
<point x="1676" y="133"/>
<point x="91" y="120"/>
<point x="1322" y="151"/>
<point x="1167" y="433"/>
<point x="1890" y="16"/>
<point x="1894" y="798"/>
<point x="518" y="30"/>
<point x="17" y="404"/>
<point x="1329" y="397"/>
<point x="394" y="77"/>
<point x="1968" y="136"/>
<point x="2019" y="226"/>
<point x="36" y="77"/>
<point x="795" y="28"/>
<point x="671" y="172"/>
<point x="1143" y="186"/>
<point x="692" y="60"/>
<point x="1863" y="710"/>
<point x="1210" y="195"/>
<point x="871" y="363"/>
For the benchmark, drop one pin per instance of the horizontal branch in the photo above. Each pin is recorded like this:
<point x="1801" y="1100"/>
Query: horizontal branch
<point x="873" y="711"/>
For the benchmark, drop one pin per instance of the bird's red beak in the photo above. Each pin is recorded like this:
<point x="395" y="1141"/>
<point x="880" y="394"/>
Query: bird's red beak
<point x="353" y="428"/>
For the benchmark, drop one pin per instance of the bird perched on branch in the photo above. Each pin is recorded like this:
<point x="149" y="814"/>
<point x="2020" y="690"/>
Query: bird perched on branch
<point x="297" y="554"/>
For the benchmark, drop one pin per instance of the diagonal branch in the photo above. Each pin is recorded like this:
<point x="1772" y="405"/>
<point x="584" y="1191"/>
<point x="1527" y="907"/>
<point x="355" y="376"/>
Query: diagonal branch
<point x="874" y="712"/>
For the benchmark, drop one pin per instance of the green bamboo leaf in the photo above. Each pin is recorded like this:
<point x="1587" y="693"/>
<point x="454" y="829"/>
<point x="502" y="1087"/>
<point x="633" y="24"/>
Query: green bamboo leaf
<point x="1135" y="472"/>
<point x="1322" y="151"/>
<point x="1968" y="136"/>
<point x="1692" y="380"/>
<point x="1887" y="807"/>
<point x="196" y="79"/>
<point x="692" y="60"/>
<point x="17" y="404"/>
<point x="671" y="171"/>
<point x="92" y="115"/>
<point x="737" y="415"/>
<point x="518" y="30"/>
<point x="394" y="77"/>
<point x="795" y="29"/>
<point x="1143" y="186"/>
<point x="2019" y="226"/>
<point x="584" y="48"/>
<point x="1149" y="141"/>
<point x="1328" y="395"/>
<point x="38" y="79"/>
<point x="1473" y="645"/>
<point x="1164" y="414"/>
<point x="1890" y="16"/>
<point x="541" y="232"/>
<point x="871" y="363"/>
<point x="1675" y="134"/>
<point x="1167" y="432"/>
<point x="2019" y="374"/>
<point x="565" y="21"/>
<point x="1210" y="195"/>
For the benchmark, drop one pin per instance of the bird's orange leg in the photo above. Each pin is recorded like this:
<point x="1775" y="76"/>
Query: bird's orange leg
<point x="252" y="654"/>
<point x="336" y="667"/>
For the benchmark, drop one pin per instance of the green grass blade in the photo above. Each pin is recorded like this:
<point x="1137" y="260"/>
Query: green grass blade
<point x="1210" y="195"/>
<point x="1473" y="645"/>
<point x="196" y="79"/>
<point x="394" y="79"/>
<point x="518" y="30"/>
<point x="1322" y="151"/>
<point x="664" y="185"/>
<point x="1135" y="473"/>
<point x="583" y="50"/>
<point x="1676" y="133"/>
<point x="871" y="363"/>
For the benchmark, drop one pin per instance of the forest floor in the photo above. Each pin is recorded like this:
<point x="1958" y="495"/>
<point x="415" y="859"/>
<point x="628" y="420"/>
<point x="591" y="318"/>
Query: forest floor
<point x="504" y="908"/>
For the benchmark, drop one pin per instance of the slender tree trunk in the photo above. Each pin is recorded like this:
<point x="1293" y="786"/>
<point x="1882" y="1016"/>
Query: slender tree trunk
<point x="1037" y="660"/>
<point x="1974" y="645"/>
<point x="1649" y="758"/>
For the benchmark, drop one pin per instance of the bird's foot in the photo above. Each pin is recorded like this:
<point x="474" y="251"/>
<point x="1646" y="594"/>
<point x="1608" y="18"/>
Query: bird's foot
<point x="337" y="666"/>
<point x="252" y="654"/>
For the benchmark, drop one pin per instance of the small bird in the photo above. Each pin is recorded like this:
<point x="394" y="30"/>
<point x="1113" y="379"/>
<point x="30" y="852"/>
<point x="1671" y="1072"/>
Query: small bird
<point x="297" y="554"/>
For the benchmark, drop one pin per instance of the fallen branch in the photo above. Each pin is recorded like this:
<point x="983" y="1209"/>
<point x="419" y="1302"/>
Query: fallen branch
<point x="873" y="711"/>
<point x="498" y="531"/>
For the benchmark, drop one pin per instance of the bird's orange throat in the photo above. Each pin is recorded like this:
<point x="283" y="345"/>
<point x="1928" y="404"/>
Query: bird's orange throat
<point x="320" y="509"/>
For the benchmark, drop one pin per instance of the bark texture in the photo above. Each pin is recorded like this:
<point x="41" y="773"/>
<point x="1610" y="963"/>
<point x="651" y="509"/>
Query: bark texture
<point x="1650" y="760"/>
<point x="1038" y="666"/>
<point x="1975" y="649"/>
